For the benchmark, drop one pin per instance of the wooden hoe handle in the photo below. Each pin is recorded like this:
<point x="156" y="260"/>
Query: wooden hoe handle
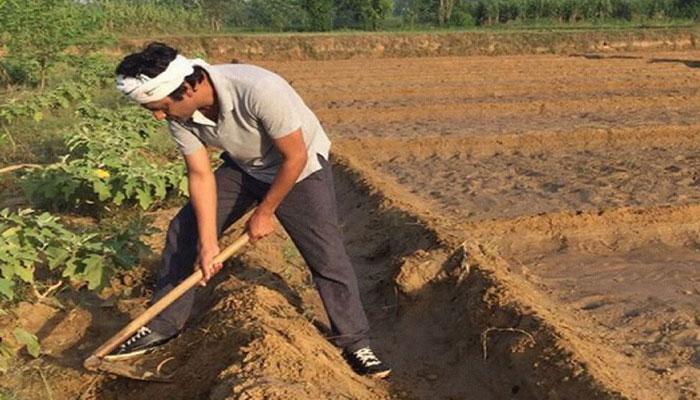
<point x="93" y="362"/>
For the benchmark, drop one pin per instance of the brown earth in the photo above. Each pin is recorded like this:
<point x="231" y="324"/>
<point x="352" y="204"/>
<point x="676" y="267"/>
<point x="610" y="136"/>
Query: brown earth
<point x="523" y="227"/>
<point x="576" y="174"/>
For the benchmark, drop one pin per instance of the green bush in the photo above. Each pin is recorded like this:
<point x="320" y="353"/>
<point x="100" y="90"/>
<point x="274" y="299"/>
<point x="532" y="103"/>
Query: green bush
<point x="109" y="162"/>
<point x="37" y="250"/>
<point x="37" y="32"/>
<point x="139" y="17"/>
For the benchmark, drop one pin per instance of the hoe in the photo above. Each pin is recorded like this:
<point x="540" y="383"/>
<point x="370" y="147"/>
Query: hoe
<point x="99" y="359"/>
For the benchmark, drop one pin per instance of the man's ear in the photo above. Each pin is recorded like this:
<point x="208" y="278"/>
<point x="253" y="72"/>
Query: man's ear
<point x="189" y="90"/>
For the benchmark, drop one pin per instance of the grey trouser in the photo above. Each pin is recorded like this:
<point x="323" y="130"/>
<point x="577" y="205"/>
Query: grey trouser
<point x="308" y="213"/>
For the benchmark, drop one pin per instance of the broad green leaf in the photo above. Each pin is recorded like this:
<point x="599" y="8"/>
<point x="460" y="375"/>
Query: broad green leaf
<point x="183" y="186"/>
<point x="160" y="188"/>
<point x="94" y="271"/>
<point x="102" y="189"/>
<point x="144" y="197"/>
<point x="29" y="340"/>
<point x="55" y="256"/>
<point x="118" y="198"/>
<point x="26" y="274"/>
<point x="69" y="271"/>
<point x="6" y="286"/>
<point x="8" y="270"/>
<point x="11" y="232"/>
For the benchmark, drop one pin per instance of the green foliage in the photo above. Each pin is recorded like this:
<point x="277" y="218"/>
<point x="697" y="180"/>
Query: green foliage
<point x="492" y="12"/>
<point x="467" y="13"/>
<point x="278" y="15"/>
<point x="35" y="107"/>
<point x="6" y="353"/>
<point x="416" y="11"/>
<point x="365" y="14"/>
<point x="27" y="339"/>
<point x="320" y="14"/>
<point x="108" y="162"/>
<point x="38" y="251"/>
<point x="220" y="13"/>
<point x="34" y="245"/>
<point x="157" y="16"/>
<point x="39" y="31"/>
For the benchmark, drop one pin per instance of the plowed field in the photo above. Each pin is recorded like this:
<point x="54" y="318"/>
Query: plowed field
<point x="523" y="227"/>
<point x="579" y="174"/>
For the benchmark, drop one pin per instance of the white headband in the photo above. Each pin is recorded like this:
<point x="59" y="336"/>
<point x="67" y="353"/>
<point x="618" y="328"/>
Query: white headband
<point x="144" y="89"/>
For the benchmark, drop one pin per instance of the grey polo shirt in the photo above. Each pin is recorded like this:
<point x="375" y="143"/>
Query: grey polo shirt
<point x="255" y="107"/>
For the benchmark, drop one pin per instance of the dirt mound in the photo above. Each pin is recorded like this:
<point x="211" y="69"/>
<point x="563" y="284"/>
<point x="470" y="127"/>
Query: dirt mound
<point x="447" y="327"/>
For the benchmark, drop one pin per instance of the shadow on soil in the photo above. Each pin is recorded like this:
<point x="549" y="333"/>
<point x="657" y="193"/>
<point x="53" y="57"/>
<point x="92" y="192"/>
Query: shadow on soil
<point x="687" y="63"/>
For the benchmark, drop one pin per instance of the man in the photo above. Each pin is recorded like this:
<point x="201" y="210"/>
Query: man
<point x="275" y="154"/>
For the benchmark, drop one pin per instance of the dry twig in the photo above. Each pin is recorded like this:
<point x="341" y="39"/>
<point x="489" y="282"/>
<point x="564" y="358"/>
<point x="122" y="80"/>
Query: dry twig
<point x="48" y="292"/>
<point x="46" y="384"/>
<point x="484" y="336"/>
<point x="18" y="166"/>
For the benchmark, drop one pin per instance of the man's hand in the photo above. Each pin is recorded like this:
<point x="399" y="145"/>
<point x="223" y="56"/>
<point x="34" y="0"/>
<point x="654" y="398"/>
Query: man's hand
<point x="260" y="224"/>
<point x="205" y="262"/>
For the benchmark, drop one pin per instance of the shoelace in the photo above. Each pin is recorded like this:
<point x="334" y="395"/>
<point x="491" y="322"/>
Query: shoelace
<point x="143" y="331"/>
<point x="367" y="357"/>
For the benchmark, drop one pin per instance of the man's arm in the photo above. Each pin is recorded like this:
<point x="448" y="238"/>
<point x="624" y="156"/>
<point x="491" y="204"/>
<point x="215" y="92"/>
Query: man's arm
<point x="294" y="156"/>
<point x="202" y="188"/>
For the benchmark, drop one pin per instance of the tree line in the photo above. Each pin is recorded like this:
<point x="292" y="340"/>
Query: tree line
<point x="327" y="15"/>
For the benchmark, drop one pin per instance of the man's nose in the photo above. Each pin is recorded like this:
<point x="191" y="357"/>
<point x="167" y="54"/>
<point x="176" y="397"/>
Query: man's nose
<point x="159" y="115"/>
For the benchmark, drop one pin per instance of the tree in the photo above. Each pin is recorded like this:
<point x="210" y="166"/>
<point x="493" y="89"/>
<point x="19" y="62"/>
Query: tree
<point x="367" y="14"/>
<point x="37" y="32"/>
<point x="320" y="14"/>
<point x="415" y="11"/>
<point x="444" y="10"/>
<point x="223" y="12"/>
<point x="278" y="15"/>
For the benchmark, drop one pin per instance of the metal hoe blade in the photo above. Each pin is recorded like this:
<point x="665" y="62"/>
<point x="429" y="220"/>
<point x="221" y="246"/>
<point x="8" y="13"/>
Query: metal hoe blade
<point x="131" y="371"/>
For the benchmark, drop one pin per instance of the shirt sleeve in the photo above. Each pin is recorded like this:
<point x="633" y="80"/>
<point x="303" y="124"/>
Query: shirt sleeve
<point x="276" y="105"/>
<point x="185" y="140"/>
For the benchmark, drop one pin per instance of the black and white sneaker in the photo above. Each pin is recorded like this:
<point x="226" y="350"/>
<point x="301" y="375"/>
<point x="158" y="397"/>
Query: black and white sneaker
<point x="364" y="362"/>
<point x="141" y="342"/>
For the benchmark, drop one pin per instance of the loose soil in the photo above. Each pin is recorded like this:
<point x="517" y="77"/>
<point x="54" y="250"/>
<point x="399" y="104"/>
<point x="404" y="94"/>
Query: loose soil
<point x="523" y="227"/>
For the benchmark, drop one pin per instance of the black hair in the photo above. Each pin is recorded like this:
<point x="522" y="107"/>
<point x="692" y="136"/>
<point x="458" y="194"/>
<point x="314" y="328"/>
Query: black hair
<point x="152" y="61"/>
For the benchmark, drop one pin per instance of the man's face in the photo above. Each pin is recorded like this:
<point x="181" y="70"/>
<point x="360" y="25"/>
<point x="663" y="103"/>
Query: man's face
<point x="168" y="108"/>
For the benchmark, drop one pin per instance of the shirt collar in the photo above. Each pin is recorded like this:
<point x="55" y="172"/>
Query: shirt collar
<point x="199" y="118"/>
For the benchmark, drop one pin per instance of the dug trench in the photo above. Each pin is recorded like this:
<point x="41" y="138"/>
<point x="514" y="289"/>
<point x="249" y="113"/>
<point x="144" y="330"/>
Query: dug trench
<point x="449" y="327"/>
<point x="614" y="271"/>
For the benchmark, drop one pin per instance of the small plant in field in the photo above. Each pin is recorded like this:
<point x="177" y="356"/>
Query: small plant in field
<point x="38" y="252"/>
<point x="91" y="72"/>
<point x="109" y="161"/>
<point x="39" y="255"/>
<point x="22" y="338"/>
